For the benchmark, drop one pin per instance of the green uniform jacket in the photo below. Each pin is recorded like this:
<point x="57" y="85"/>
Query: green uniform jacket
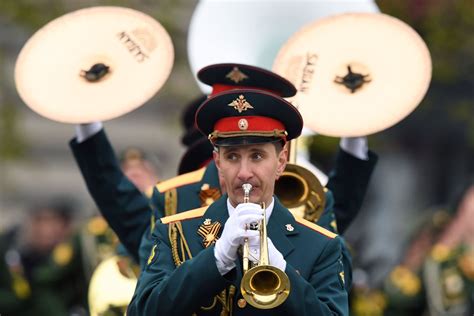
<point x="314" y="267"/>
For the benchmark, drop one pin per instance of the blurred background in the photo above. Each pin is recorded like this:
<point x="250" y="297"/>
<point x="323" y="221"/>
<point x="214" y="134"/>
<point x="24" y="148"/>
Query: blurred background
<point x="425" y="161"/>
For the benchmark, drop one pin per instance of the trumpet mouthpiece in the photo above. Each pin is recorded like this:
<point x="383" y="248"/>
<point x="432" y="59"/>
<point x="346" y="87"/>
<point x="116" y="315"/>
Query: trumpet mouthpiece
<point x="247" y="187"/>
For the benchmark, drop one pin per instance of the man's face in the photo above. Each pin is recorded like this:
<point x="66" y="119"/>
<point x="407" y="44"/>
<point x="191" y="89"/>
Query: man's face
<point x="46" y="229"/>
<point x="141" y="173"/>
<point x="260" y="165"/>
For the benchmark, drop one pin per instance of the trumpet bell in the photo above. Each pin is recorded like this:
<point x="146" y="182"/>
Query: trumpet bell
<point x="265" y="287"/>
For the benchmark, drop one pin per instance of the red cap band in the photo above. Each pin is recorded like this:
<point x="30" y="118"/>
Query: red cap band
<point x="248" y="124"/>
<point x="217" y="88"/>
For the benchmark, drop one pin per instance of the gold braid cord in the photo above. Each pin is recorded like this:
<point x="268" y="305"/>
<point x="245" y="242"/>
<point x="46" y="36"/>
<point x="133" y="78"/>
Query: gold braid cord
<point x="175" y="229"/>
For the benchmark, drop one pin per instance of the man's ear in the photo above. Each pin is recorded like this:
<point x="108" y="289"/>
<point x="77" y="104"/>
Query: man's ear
<point x="282" y="161"/>
<point x="216" y="157"/>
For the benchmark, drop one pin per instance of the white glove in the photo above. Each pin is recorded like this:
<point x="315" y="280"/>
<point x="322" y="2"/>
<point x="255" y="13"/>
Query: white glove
<point x="84" y="131"/>
<point x="275" y="257"/>
<point x="356" y="146"/>
<point x="235" y="231"/>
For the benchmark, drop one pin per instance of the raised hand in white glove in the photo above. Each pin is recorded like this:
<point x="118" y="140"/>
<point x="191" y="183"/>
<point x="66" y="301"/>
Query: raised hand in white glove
<point x="234" y="233"/>
<point x="275" y="257"/>
<point x="356" y="146"/>
<point x="84" y="131"/>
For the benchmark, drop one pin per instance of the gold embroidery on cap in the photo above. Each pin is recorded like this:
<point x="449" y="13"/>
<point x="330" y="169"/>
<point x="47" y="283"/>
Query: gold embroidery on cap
<point x="240" y="104"/>
<point x="243" y="124"/>
<point x="236" y="75"/>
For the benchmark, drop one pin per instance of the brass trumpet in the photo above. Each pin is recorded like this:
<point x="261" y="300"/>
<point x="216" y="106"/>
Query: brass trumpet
<point x="262" y="286"/>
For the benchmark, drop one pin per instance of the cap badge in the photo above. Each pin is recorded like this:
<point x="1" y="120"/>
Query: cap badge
<point x="289" y="227"/>
<point x="240" y="104"/>
<point x="243" y="124"/>
<point x="236" y="75"/>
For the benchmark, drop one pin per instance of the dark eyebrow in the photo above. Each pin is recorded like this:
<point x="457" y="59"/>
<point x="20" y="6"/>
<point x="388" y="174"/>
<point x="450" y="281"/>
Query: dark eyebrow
<point x="259" y="149"/>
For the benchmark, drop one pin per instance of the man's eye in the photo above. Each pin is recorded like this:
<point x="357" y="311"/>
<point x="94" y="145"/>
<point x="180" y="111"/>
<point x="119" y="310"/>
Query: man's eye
<point x="231" y="157"/>
<point x="257" y="156"/>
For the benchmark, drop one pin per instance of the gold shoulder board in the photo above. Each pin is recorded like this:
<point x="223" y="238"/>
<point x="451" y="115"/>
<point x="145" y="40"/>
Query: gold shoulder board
<point x="197" y="212"/>
<point x="315" y="227"/>
<point x="187" y="178"/>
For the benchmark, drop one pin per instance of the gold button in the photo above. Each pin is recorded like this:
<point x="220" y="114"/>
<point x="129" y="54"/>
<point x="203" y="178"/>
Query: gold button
<point x="241" y="303"/>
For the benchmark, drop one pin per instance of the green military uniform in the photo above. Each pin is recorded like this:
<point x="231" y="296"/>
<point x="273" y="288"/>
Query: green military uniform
<point x="314" y="269"/>
<point x="112" y="191"/>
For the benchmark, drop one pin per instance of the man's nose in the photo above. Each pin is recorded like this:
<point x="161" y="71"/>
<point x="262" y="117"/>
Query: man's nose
<point x="245" y="171"/>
